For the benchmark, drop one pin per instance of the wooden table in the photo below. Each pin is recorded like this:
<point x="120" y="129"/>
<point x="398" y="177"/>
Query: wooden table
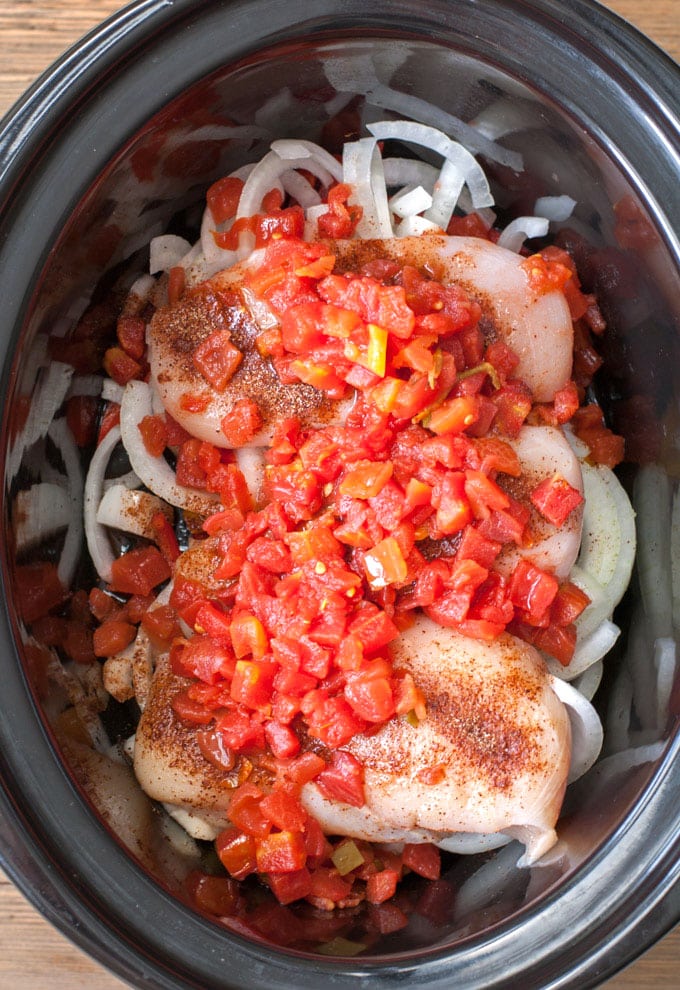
<point x="32" y="954"/>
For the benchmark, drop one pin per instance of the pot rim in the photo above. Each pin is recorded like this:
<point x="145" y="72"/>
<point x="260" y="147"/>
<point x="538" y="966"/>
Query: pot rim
<point x="596" y="946"/>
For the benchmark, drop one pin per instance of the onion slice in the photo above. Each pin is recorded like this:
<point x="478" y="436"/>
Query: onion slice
<point x="587" y="734"/>
<point x="434" y="140"/>
<point x="97" y="539"/>
<point x="60" y="434"/>
<point x="519" y="229"/>
<point x="39" y="512"/>
<point x="155" y="472"/>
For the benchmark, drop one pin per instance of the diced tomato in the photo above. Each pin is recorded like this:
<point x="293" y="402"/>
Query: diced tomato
<point x="532" y="590"/>
<point x="343" y="779"/>
<point x="120" y="366"/>
<point x="381" y="886"/>
<point x="248" y="636"/>
<point x="281" y="852"/>
<point x="605" y="447"/>
<point x="423" y="858"/>
<point x="112" y="636"/>
<point x="218" y="896"/>
<point x="304" y="768"/>
<point x="39" y="590"/>
<point x="217" y="359"/>
<point x="340" y="220"/>
<point x="223" y="197"/>
<point x="154" y="434"/>
<point x="237" y="852"/>
<point x="369" y="692"/>
<point x="558" y="641"/>
<point x="289" y="887"/>
<point x="242" y="422"/>
<point x="240" y="731"/>
<point x="212" y="745"/>
<point x="252" y="684"/>
<point x="450" y="500"/>
<point x="556" y="499"/>
<point x="81" y="416"/>
<point x="139" y="571"/>
<point x="282" y="740"/>
<point x="373" y="628"/>
<point x="544" y="274"/>
<point x="203" y="658"/>
<point x="131" y="333"/>
<point x="568" y="604"/>
<point x="455" y="415"/>
<point x="284" y="811"/>
<point x="190" y="710"/>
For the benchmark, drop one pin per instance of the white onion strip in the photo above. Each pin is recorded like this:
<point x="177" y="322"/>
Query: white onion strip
<point x="95" y="534"/>
<point x="362" y="170"/>
<point x="166" y="251"/>
<point x="519" y="229"/>
<point x="155" y="472"/>
<point x="435" y="140"/>
<point x="130" y="511"/>
<point x="587" y="734"/>
<point x="53" y="383"/>
<point x="429" y="114"/>
<point x="652" y="501"/>
<point x="409" y="172"/>
<point x="556" y="208"/>
<point x="60" y="434"/>
<point x="39" y="512"/>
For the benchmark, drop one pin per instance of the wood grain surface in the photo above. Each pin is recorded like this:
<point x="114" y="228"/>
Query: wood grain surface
<point x="33" y="956"/>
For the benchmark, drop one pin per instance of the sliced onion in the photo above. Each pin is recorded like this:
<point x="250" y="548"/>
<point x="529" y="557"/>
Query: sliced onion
<point x="608" y="543"/>
<point x="589" y="681"/>
<point x="447" y="190"/>
<point x="362" y="170"/>
<point x="588" y="651"/>
<point x="652" y="501"/>
<point x="428" y="113"/>
<point x="299" y="189"/>
<point x="473" y="843"/>
<point x="587" y="733"/>
<point x="155" y="472"/>
<point x="600" y="607"/>
<point x="639" y="658"/>
<point x="85" y="385"/>
<point x="130" y="511"/>
<point x="557" y="208"/>
<point x="410" y="201"/>
<point x="39" y="512"/>
<point x="139" y="294"/>
<point x="112" y="391"/>
<point x="53" y="383"/>
<point x="675" y="561"/>
<point x="212" y="252"/>
<point x="60" y="434"/>
<point x="291" y="148"/>
<point x="409" y="172"/>
<point x="251" y="462"/>
<point x="415" y="226"/>
<point x="166" y="251"/>
<point x="435" y="140"/>
<point x="619" y="711"/>
<point x="518" y="230"/>
<point x="665" y="663"/>
<point x="96" y="536"/>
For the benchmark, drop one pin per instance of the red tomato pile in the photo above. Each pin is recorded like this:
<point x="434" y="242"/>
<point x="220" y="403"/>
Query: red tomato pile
<point x="402" y="505"/>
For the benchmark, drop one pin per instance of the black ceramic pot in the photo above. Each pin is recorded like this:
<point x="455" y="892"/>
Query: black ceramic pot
<point x="111" y="142"/>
